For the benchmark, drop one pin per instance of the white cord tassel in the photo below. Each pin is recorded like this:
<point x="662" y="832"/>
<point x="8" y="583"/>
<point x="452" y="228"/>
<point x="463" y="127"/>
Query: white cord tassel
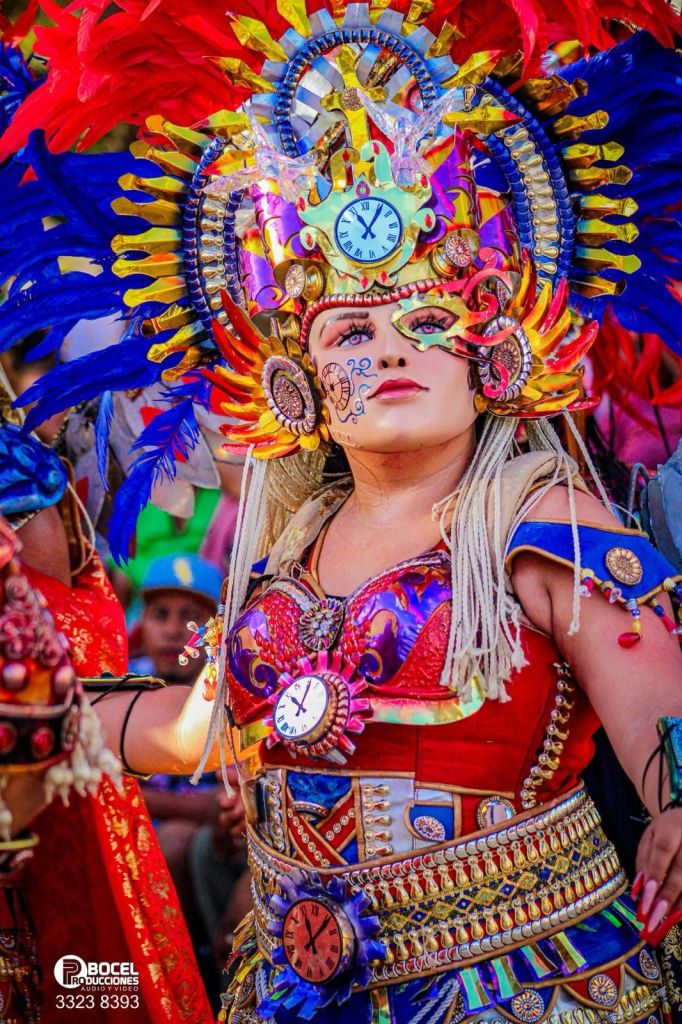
<point x="5" y="813"/>
<point x="250" y="522"/>
<point x="542" y="434"/>
<point x="90" y="759"/>
<point x="483" y="642"/>
<point x="81" y="771"/>
<point x="568" y="419"/>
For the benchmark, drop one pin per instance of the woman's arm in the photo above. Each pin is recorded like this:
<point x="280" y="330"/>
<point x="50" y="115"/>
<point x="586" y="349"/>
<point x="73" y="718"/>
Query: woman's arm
<point x="165" y="732"/>
<point x="630" y="689"/>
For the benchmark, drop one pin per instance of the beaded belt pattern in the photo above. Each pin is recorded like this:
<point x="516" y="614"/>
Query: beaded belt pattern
<point x="460" y="903"/>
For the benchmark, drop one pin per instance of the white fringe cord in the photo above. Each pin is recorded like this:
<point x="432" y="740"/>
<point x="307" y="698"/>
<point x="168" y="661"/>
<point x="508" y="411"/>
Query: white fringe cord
<point x="248" y="530"/>
<point x="483" y="641"/>
<point x="542" y="434"/>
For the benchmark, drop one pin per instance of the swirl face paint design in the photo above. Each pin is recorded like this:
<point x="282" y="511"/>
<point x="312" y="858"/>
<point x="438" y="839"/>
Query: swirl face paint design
<point x="347" y="386"/>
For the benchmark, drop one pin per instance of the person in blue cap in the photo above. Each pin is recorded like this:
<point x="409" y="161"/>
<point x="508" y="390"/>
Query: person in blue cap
<point x="176" y="589"/>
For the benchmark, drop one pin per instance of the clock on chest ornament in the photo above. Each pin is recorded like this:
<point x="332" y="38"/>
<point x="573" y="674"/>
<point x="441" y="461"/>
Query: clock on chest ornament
<point x="367" y="226"/>
<point x="315" y="709"/>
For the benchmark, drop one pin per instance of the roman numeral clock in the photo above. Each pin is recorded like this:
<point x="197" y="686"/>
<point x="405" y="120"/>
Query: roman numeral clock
<point x="368" y="230"/>
<point x="375" y="223"/>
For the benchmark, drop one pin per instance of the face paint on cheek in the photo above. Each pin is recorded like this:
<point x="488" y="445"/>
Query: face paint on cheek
<point x="336" y="385"/>
<point x="346" y="385"/>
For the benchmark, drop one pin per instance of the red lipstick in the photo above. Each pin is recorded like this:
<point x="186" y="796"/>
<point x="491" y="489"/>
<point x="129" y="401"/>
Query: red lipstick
<point x="397" y="387"/>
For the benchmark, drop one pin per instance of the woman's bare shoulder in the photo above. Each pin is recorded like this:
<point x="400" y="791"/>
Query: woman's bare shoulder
<point x="554" y="505"/>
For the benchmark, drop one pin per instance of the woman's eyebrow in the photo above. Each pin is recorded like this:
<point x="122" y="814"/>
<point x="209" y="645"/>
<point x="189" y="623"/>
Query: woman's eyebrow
<point x="350" y="314"/>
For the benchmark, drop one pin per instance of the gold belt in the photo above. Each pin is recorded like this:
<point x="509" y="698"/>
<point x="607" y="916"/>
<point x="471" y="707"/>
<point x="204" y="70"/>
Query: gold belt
<point x="459" y="903"/>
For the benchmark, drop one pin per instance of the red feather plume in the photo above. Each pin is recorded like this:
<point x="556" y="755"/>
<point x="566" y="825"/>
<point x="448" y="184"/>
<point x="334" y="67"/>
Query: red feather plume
<point x="107" y="66"/>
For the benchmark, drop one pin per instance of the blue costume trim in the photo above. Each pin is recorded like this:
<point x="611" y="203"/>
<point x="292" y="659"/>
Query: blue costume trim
<point x="555" y="541"/>
<point x="610" y="935"/>
<point x="32" y="476"/>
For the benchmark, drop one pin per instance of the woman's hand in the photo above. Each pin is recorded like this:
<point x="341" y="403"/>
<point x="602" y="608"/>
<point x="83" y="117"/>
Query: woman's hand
<point x="658" y="883"/>
<point x="230" y="822"/>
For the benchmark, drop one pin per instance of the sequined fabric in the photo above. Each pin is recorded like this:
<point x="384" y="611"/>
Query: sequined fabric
<point x="108" y="894"/>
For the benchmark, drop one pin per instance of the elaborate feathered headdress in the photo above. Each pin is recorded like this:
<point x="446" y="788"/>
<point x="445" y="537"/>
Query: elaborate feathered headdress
<point x="364" y="154"/>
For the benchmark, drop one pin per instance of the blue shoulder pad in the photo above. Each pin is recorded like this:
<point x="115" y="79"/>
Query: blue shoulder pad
<point x="618" y="560"/>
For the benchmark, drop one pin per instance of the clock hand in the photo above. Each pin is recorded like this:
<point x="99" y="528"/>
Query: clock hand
<point x="368" y="227"/>
<point x="301" y="705"/>
<point x="373" y="221"/>
<point x="311" y="941"/>
<point x="315" y="936"/>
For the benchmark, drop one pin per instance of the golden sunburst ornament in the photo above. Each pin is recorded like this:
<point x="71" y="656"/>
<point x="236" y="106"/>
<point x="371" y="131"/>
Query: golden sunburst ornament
<point x="273" y="393"/>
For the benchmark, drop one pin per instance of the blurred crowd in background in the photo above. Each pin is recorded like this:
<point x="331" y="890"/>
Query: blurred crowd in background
<point x="174" y="577"/>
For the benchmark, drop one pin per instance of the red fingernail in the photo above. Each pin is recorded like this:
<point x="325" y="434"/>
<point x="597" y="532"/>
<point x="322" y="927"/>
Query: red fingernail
<point x="650" y="890"/>
<point x="637" y="885"/>
<point x="654" y="938"/>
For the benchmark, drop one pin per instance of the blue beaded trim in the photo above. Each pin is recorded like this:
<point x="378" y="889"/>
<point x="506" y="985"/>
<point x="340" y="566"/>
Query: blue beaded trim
<point x="556" y="176"/>
<point x="190" y="228"/>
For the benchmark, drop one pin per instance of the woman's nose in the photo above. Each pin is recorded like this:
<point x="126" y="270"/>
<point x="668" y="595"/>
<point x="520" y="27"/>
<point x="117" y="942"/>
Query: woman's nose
<point x="392" y="359"/>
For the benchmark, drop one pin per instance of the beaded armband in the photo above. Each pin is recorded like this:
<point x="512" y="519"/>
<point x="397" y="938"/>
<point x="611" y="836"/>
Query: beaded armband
<point x="622" y="563"/>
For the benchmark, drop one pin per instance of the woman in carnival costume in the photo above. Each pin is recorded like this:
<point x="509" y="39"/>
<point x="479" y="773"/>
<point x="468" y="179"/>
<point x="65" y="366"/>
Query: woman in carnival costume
<point x="379" y="267"/>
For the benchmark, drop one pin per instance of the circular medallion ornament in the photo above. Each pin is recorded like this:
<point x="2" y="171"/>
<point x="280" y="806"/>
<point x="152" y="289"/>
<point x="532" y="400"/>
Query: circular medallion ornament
<point x="648" y="965"/>
<point x="429" y="827"/>
<point x="319" y="626"/>
<point x="295" y="281"/>
<point x="457" y="251"/>
<point x="624" y="566"/>
<point x="507" y="366"/>
<point x="289" y="395"/>
<point x="602" y="989"/>
<point x="528" y="1006"/>
<point x="493" y="810"/>
<point x="314" y="710"/>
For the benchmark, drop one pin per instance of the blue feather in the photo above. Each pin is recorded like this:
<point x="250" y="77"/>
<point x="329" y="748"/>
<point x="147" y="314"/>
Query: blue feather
<point x="17" y="82"/>
<point x="171" y="435"/>
<point x="105" y="415"/>
<point x="76" y="190"/>
<point x="124" y="366"/>
<point x="639" y="84"/>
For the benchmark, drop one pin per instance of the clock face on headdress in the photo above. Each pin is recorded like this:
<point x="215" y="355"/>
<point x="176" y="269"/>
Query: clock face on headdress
<point x="368" y="230"/>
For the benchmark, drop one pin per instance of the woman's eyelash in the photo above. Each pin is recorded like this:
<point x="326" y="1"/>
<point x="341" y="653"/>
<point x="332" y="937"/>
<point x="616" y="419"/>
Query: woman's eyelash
<point x="429" y="318"/>
<point x="359" y="327"/>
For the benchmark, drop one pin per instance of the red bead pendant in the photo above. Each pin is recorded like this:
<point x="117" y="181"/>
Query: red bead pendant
<point x="629" y="639"/>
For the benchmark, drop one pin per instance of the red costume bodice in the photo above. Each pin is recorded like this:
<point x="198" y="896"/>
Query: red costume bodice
<point x="393" y="634"/>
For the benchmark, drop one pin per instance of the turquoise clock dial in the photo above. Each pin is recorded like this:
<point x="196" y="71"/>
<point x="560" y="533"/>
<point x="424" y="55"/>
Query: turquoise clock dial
<point x="368" y="230"/>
